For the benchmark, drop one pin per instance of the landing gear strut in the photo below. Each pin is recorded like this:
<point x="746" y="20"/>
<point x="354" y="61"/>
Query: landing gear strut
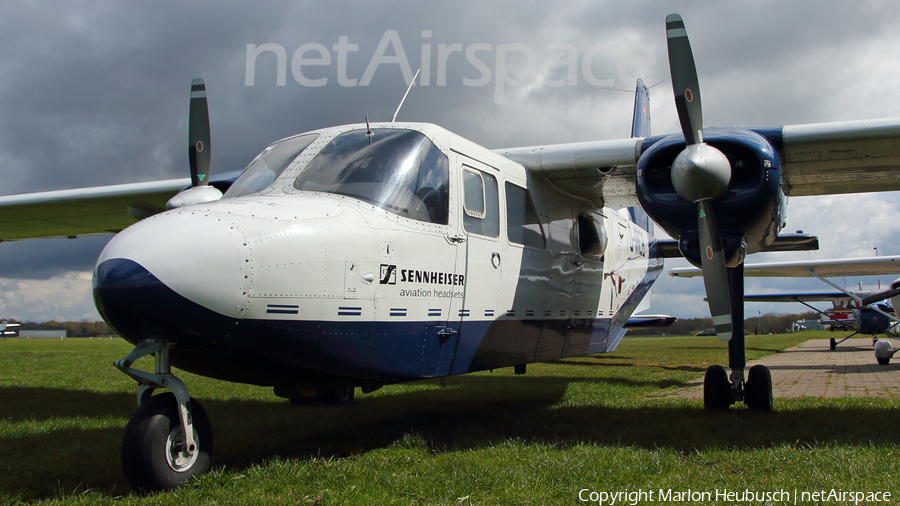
<point x="169" y="437"/>
<point x="720" y="390"/>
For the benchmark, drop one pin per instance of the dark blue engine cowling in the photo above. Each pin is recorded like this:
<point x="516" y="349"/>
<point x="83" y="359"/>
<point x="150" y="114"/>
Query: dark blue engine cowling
<point x="868" y="321"/>
<point x="750" y="212"/>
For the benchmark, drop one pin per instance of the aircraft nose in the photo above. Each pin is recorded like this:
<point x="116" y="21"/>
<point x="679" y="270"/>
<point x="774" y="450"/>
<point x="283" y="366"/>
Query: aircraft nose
<point x="166" y="276"/>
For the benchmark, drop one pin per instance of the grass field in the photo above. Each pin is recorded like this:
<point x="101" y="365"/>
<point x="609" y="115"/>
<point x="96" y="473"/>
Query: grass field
<point x="596" y="423"/>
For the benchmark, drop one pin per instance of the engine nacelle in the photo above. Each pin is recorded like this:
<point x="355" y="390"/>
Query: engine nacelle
<point x="869" y="321"/>
<point x="750" y="212"/>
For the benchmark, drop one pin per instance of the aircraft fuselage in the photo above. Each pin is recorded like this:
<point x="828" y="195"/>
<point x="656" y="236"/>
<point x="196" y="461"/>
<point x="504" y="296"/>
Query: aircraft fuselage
<point x="342" y="258"/>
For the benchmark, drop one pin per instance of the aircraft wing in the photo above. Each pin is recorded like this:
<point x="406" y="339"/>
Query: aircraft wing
<point x="866" y="266"/>
<point x="817" y="159"/>
<point x="845" y="157"/>
<point x="84" y="211"/>
<point x="600" y="171"/>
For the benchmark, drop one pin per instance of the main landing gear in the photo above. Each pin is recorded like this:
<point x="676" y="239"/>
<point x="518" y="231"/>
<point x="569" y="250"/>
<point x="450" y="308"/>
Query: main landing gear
<point x="721" y="391"/>
<point x="169" y="437"/>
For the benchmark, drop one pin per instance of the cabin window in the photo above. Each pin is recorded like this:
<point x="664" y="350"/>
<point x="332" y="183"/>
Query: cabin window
<point x="522" y="224"/>
<point x="591" y="237"/>
<point x="400" y="171"/>
<point x="268" y="165"/>
<point x="481" y="203"/>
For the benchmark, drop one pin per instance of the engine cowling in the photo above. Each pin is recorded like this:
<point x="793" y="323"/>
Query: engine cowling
<point x="869" y="321"/>
<point x="750" y="212"/>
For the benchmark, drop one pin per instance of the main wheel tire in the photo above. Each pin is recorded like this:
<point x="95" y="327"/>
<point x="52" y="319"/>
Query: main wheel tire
<point x="758" y="389"/>
<point x="153" y="453"/>
<point x="338" y="396"/>
<point x="884" y="360"/>
<point x="327" y="397"/>
<point x="833" y="344"/>
<point x="716" y="389"/>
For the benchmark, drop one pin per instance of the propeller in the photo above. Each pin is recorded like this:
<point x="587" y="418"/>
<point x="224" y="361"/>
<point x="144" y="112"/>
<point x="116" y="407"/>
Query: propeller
<point x="700" y="173"/>
<point x="198" y="134"/>
<point x="198" y="152"/>
<point x="878" y="297"/>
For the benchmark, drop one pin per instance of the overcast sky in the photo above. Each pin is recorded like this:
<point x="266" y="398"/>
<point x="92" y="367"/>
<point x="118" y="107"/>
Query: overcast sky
<point x="96" y="93"/>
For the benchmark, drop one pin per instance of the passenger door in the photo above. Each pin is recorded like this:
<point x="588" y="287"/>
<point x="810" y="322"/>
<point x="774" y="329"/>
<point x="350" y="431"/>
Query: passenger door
<point x="483" y="255"/>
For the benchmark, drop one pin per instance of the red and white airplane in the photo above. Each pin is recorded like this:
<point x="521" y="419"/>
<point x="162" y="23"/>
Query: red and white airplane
<point x="871" y="316"/>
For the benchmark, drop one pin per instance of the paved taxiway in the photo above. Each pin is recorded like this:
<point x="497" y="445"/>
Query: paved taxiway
<point x="811" y="369"/>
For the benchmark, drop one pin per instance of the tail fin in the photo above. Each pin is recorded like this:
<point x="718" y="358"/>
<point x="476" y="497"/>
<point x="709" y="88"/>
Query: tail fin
<point x="640" y="127"/>
<point x="640" y="124"/>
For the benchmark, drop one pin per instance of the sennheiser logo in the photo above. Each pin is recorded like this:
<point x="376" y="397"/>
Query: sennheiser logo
<point x="388" y="274"/>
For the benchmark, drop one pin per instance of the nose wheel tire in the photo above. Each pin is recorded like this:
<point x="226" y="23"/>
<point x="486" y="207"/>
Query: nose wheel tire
<point x="154" y="453"/>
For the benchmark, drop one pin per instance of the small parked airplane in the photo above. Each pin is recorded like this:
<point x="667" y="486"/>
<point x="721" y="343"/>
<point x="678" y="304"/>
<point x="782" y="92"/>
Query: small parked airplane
<point x="376" y="253"/>
<point x="870" y="315"/>
<point x="4" y="325"/>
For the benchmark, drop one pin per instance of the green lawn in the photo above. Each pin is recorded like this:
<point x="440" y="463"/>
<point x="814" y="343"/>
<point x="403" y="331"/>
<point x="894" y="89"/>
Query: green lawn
<point x="597" y="423"/>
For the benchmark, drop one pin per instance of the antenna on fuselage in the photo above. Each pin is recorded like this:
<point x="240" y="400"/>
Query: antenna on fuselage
<point x="411" y="83"/>
<point x="368" y="130"/>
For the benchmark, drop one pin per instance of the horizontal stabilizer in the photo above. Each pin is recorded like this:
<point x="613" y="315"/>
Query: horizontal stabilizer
<point x="650" y="322"/>
<point x="794" y="242"/>
<point x="835" y="297"/>
<point x="668" y="248"/>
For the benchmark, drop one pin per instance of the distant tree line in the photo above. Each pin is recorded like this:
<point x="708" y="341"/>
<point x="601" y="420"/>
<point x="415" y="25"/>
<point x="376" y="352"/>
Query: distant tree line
<point x="775" y="323"/>
<point x="83" y="328"/>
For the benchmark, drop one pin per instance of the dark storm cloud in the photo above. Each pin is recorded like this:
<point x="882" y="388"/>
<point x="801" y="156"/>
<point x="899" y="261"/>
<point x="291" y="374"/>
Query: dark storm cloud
<point x="98" y="94"/>
<point x="44" y="258"/>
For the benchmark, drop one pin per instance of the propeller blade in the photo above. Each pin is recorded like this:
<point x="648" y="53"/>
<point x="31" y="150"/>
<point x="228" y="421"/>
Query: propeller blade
<point x="878" y="297"/>
<point x="715" y="272"/>
<point x="685" y="83"/>
<point x="198" y="135"/>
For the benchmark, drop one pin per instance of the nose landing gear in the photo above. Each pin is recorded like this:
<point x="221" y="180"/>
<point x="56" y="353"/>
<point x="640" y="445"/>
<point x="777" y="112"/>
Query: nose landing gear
<point x="169" y="437"/>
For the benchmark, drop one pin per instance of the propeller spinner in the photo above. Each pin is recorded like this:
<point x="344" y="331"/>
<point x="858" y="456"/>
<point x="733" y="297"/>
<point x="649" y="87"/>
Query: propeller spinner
<point x="700" y="173"/>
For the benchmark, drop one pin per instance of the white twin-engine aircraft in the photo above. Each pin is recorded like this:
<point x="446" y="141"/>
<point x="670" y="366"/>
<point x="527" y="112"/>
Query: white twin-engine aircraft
<point x="362" y="255"/>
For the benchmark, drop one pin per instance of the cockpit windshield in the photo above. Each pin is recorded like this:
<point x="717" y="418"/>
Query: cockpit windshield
<point x="268" y="165"/>
<point x="400" y="171"/>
